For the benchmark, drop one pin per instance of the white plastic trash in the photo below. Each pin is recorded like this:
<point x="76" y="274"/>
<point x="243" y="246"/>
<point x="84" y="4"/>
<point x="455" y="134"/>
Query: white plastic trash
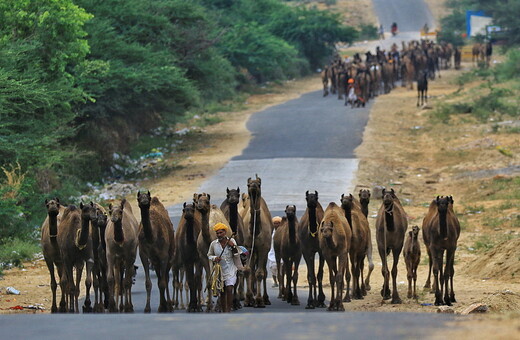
<point x="12" y="291"/>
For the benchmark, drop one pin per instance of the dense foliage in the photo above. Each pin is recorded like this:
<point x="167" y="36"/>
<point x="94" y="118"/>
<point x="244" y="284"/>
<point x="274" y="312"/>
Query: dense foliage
<point x="83" y="79"/>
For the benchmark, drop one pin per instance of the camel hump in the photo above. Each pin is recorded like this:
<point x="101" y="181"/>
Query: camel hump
<point x="155" y="200"/>
<point x="332" y="205"/>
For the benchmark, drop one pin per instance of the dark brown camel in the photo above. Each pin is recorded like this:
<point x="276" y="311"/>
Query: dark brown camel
<point x="230" y="209"/>
<point x="51" y="249"/>
<point x="308" y="232"/>
<point x="412" y="257"/>
<point x="359" y="244"/>
<point x="121" y="237"/>
<point x="441" y="230"/>
<point x="287" y="247"/>
<point x="258" y="223"/>
<point x="364" y="200"/>
<point x="99" y="269"/>
<point x="334" y="236"/>
<point x="391" y="225"/>
<point x="76" y="251"/>
<point x="156" y="247"/>
<point x="187" y="254"/>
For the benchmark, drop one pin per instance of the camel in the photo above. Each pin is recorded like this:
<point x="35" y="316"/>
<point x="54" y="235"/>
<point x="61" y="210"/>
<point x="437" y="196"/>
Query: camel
<point x="391" y="225"/>
<point x="99" y="269"/>
<point x="422" y="88"/>
<point x="121" y="237"/>
<point x="187" y="256"/>
<point x="258" y="221"/>
<point x="229" y="207"/>
<point x="203" y="209"/>
<point x="308" y="232"/>
<point x="287" y="247"/>
<point x="325" y="80"/>
<point x="76" y="250"/>
<point x="441" y="230"/>
<point x="51" y="249"/>
<point x="412" y="257"/>
<point x="335" y="240"/>
<point x="156" y="247"/>
<point x="364" y="200"/>
<point x="359" y="246"/>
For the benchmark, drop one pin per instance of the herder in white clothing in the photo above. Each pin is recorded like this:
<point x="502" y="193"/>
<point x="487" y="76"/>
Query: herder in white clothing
<point x="222" y="251"/>
<point x="271" y="258"/>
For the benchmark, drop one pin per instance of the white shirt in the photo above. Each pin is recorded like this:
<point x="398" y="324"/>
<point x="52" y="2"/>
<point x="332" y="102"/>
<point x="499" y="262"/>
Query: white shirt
<point x="271" y="256"/>
<point x="229" y="269"/>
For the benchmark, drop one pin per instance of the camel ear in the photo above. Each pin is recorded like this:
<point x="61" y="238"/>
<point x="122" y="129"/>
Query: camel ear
<point x="110" y="208"/>
<point x="238" y="190"/>
<point x="307" y="193"/>
<point x="91" y="204"/>
<point x="184" y="205"/>
<point x="57" y="199"/>
<point x="248" y="180"/>
<point x="81" y="205"/>
<point x="149" y="194"/>
<point x="316" y="194"/>
<point x="209" y="197"/>
<point x="138" y="194"/>
<point x="342" y="195"/>
<point x="227" y="190"/>
<point x="46" y="202"/>
<point x="352" y="197"/>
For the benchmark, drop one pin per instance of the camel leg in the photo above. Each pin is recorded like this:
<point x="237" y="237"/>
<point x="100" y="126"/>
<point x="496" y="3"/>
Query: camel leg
<point x="437" y="263"/>
<point x="87" y="305"/>
<point x="288" y="279"/>
<point x="427" y="284"/>
<point x="363" y="289"/>
<point x="321" y="294"/>
<point x="395" y="294"/>
<point x="77" y="284"/>
<point x="127" y="286"/>
<point x="147" y="281"/>
<point x="207" y="271"/>
<point x="54" y="285"/>
<point x="279" y="276"/>
<point x="447" y="274"/>
<point x="160" y="270"/>
<point x="190" y="278"/>
<point x="295" y="301"/>
<point x="249" y="277"/>
<point x="452" y="273"/>
<point x="259" y="275"/>
<point x="348" y="278"/>
<point x="357" y="274"/>
<point x="343" y="266"/>
<point x="409" y="276"/>
<point x="370" y="266"/>
<point x="311" y="279"/>
<point x="331" y="263"/>
<point x="385" y="291"/>
<point x="415" y="281"/>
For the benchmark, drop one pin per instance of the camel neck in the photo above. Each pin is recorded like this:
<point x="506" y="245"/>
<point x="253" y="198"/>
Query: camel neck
<point x="119" y="235"/>
<point x="292" y="228"/>
<point x="443" y="224"/>
<point x="256" y="223"/>
<point x="233" y="217"/>
<point x="190" y="234"/>
<point x="147" y="225"/>
<point x="364" y="208"/>
<point x="83" y="236"/>
<point x="348" y="214"/>
<point x="205" y="226"/>
<point x="313" y="225"/>
<point x="102" y="237"/>
<point x="389" y="218"/>
<point x="53" y="225"/>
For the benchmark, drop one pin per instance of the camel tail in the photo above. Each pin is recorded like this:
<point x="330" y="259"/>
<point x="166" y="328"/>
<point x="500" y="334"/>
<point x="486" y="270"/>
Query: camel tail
<point x="370" y="265"/>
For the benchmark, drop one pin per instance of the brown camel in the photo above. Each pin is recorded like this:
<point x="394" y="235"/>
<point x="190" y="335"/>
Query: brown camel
<point x="230" y="209"/>
<point x="308" y="232"/>
<point x="334" y="236"/>
<point x="391" y="225"/>
<point x="441" y="230"/>
<point x="359" y="245"/>
<point x="51" y="249"/>
<point x="258" y="222"/>
<point x="287" y="247"/>
<point x="121" y="237"/>
<point x="209" y="215"/>
<point x="187" y="256"/>
<point x="412" y="257"/>
<point x="156" y="247"/>
<point x="76" y="251"/>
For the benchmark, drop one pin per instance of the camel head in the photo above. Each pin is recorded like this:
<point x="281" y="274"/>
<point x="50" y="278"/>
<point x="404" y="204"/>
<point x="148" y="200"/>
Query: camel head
<point x="347" y="201"/>
<point x="290" y="211"/>
<point x="88" y="211"/>
<point x="188" y="210"/>
<point x="101" y="219"/>
<point x="144" y="199"/>
<point x="202" y="202"/>
<point x="442" y="203"/>
<point x="116" y="212"/>
<point x="388" y="197"/>
<point x="415" y="232"/>
<point x="327" y="229"/>
<point x="254" y="187"/>
<point x="312" y="199"/>
<point x="364" y="196"/>
<point x="233" y="196"/>
<point x="53" y="206"/>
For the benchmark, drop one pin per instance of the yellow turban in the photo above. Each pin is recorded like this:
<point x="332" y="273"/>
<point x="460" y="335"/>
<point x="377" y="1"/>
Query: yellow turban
<point x="220" y="226"/>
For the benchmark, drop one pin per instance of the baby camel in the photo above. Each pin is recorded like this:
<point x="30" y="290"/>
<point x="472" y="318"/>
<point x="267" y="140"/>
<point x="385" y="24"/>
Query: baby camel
<point x="412" y="257"/>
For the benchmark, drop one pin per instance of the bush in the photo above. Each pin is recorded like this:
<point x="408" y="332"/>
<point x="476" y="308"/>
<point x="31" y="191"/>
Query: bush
<point x="14" y="252"/>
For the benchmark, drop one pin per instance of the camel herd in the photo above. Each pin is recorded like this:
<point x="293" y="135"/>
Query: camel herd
<point x="106" y="241"/>
<point x="360" y="80"/>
